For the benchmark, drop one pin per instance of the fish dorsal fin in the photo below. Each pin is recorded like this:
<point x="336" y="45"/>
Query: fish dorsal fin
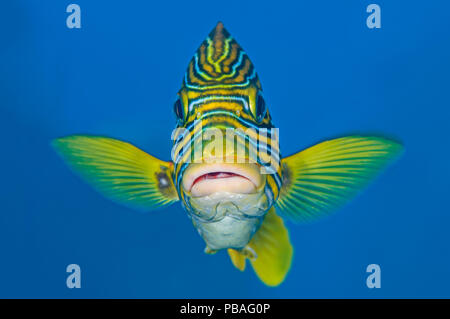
<point x="320" y="179"/>
<point x="220" y="62"/>
<point x="270" y="251"/>
<point x="119" y="171"/>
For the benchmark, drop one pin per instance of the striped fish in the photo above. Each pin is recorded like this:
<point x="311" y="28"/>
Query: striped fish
<point x="226" y="167"/>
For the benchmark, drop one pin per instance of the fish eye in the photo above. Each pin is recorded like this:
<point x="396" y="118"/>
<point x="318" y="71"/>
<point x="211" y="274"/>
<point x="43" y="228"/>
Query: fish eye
<point x="178" y="110"/>
<point x="260" y="109"/>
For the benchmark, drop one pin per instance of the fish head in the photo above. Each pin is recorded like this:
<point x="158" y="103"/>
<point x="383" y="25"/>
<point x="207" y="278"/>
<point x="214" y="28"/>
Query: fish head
<point x="225" y="153"/>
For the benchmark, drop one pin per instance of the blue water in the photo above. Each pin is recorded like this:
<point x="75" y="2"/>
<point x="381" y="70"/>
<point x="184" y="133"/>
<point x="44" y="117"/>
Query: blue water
<point x="324" y="74"/>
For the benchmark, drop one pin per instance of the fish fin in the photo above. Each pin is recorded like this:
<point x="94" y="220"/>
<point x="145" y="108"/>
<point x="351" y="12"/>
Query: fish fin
<point x="270" y="251"/>
<point x="119" y="171"/>
<point x="322" y="178"/>
<point x="237" y="258"/>
<point x="210" y="251"/>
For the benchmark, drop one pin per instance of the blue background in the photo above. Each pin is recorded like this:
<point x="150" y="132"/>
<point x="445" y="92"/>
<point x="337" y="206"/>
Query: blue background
<point x="324" y="74"/>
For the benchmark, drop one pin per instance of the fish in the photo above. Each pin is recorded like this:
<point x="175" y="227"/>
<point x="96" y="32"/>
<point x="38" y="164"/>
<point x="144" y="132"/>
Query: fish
<point x="226" y="168"/>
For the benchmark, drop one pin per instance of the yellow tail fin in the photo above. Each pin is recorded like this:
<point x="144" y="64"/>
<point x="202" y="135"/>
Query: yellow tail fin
<point x="272" y="248"/>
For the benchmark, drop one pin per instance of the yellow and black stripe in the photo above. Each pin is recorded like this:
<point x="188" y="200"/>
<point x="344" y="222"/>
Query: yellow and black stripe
<point x="221" y="90"/>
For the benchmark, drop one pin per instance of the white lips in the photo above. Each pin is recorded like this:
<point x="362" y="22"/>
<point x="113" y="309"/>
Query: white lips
<point x="246" y="179"/>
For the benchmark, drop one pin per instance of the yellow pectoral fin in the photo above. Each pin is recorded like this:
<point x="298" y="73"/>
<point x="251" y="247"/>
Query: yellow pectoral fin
<point x="119" y="171"/>
<point x="272" y="248"/>
<point x="320" y="179"/>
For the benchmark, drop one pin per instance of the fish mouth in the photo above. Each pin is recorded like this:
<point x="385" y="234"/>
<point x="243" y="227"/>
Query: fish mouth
<point x="205" y="179"/>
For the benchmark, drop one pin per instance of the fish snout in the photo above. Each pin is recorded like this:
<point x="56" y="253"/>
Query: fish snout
<point x="205" y="179"/>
